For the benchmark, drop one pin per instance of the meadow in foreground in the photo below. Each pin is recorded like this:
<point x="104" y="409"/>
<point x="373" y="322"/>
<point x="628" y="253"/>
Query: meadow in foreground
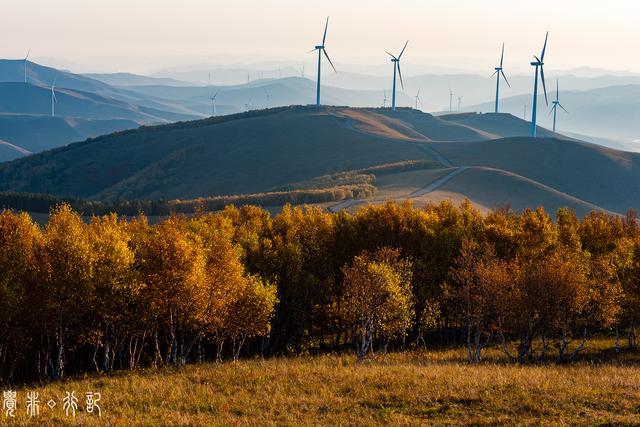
<point x="434" y="387"/>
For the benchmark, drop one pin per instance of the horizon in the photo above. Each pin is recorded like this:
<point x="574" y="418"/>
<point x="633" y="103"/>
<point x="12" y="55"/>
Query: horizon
<point x="151" y="37"/>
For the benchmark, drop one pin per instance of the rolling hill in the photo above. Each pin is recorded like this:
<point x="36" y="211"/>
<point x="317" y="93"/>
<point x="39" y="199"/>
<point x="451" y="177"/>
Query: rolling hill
<point x="264" y="150"/>
<point x="35" y="133"/>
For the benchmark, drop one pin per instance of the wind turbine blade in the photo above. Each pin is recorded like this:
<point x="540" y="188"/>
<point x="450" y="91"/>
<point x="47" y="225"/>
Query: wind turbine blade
<point x="544" y="85"/>
<point x="326" y="25"/>
<point x="565" y="110"/>
<point x="329" y="59"/>
<point x="390" y="55"/>
<point x="400" y="74"/>
<point x="505" y="78"/>
<point x="502" y="56"/>
<point x="544" y="48"/>
<point x="405" y="46"/>
<point x="312" y="50"/>
<point x="494" y="73"/>
<point x="552" y="109"/>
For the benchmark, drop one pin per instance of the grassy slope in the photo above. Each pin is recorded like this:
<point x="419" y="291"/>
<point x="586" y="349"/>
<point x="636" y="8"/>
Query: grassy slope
<point x="503" y="124"/>
<point x="409" y="388"/>
<point x="601" y="176"/>
<point x="260" y="152"/>
<point x="491" y="188"/>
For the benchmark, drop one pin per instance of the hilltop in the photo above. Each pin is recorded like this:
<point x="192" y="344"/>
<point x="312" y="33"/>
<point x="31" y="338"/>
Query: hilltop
<point x="472" y="156"/>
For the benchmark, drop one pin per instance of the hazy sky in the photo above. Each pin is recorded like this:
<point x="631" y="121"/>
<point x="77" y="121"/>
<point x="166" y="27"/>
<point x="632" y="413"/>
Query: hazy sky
<point x="145" y="35"/>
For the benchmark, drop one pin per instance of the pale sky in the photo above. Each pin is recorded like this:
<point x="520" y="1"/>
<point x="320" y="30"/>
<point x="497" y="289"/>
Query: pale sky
<point x="146" y="35"/>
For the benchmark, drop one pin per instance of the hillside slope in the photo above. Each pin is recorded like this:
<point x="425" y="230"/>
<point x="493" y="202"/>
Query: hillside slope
<point x="601" y="176"/>
<point x="263" y="150"/>
<point x="246" y="153"/>
<point x="35" y="133"/>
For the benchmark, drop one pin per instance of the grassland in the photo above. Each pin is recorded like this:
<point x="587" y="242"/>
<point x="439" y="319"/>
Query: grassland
<point x="434" y="387"/>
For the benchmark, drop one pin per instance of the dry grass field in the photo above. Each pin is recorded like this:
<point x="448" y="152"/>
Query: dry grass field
<point x="412" y="388"/>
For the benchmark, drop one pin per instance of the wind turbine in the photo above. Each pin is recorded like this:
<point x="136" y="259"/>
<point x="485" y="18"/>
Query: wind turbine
<point x="556" y="104"/>
<point x="396" y="69"/>
<point x="247" y="105"/>
<point x="459" y="102"/>
<point x="497" y="73"/>
<point x="417" y="98"/>
<point x="320" y="48"/>
<point x="267" y="95"/>
<point x="384" y="101"/>
<point x="25" y="65"/>
<point x="213" y="104"/>
<point x="53" y="97"/>
<point x="539" y="64"/>
<point x="450" y="100"/>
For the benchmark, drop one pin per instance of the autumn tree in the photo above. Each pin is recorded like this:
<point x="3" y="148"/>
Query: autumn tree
<point x="172" y="265"/>
<point x="473" y="292"/>
<point x="376" y="297"/>
<point x="251" y="313"/>
<point x="19" y="237"/>
<point x="64" y="282"/>
<point x="116" y="290"/>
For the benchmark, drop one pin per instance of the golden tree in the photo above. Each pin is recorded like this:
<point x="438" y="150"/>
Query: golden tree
<point x="19" y="237"/>
<point x="376" y="297"/>
<point x="64" y="280"/>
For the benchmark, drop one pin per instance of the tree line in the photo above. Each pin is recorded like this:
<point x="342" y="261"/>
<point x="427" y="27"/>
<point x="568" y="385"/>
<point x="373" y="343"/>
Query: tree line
<point x="119" y="294"/>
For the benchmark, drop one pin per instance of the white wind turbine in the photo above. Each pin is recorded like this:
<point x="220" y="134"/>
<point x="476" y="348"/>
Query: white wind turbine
<point x="53" y="98"/>
<point x="266" y="92"/>
<point x="213" y="104"/>
<point x="25" y="65"/>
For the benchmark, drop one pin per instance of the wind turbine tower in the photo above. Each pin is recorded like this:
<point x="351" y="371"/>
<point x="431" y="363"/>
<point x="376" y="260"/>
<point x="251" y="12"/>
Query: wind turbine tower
<point x="267" y="96"/>
<point x="25" y="65"/>
<point x="417" y="98"/>
<point x="53" y="98"/>
<point x="384" y="101"/>
<point x="499" y="71"/>
<point x="321" y="49"/>
<point x="396" y="70"/>
<point x="539" y="65"/>
<point x="556" y="104"/>
<point x="450" y="100"/>
<point x="213" y="104"/>
<point x="459" y="103"/>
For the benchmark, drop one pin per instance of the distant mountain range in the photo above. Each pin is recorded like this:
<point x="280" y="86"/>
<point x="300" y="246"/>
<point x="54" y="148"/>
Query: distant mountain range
<point x="610" y="114"/>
